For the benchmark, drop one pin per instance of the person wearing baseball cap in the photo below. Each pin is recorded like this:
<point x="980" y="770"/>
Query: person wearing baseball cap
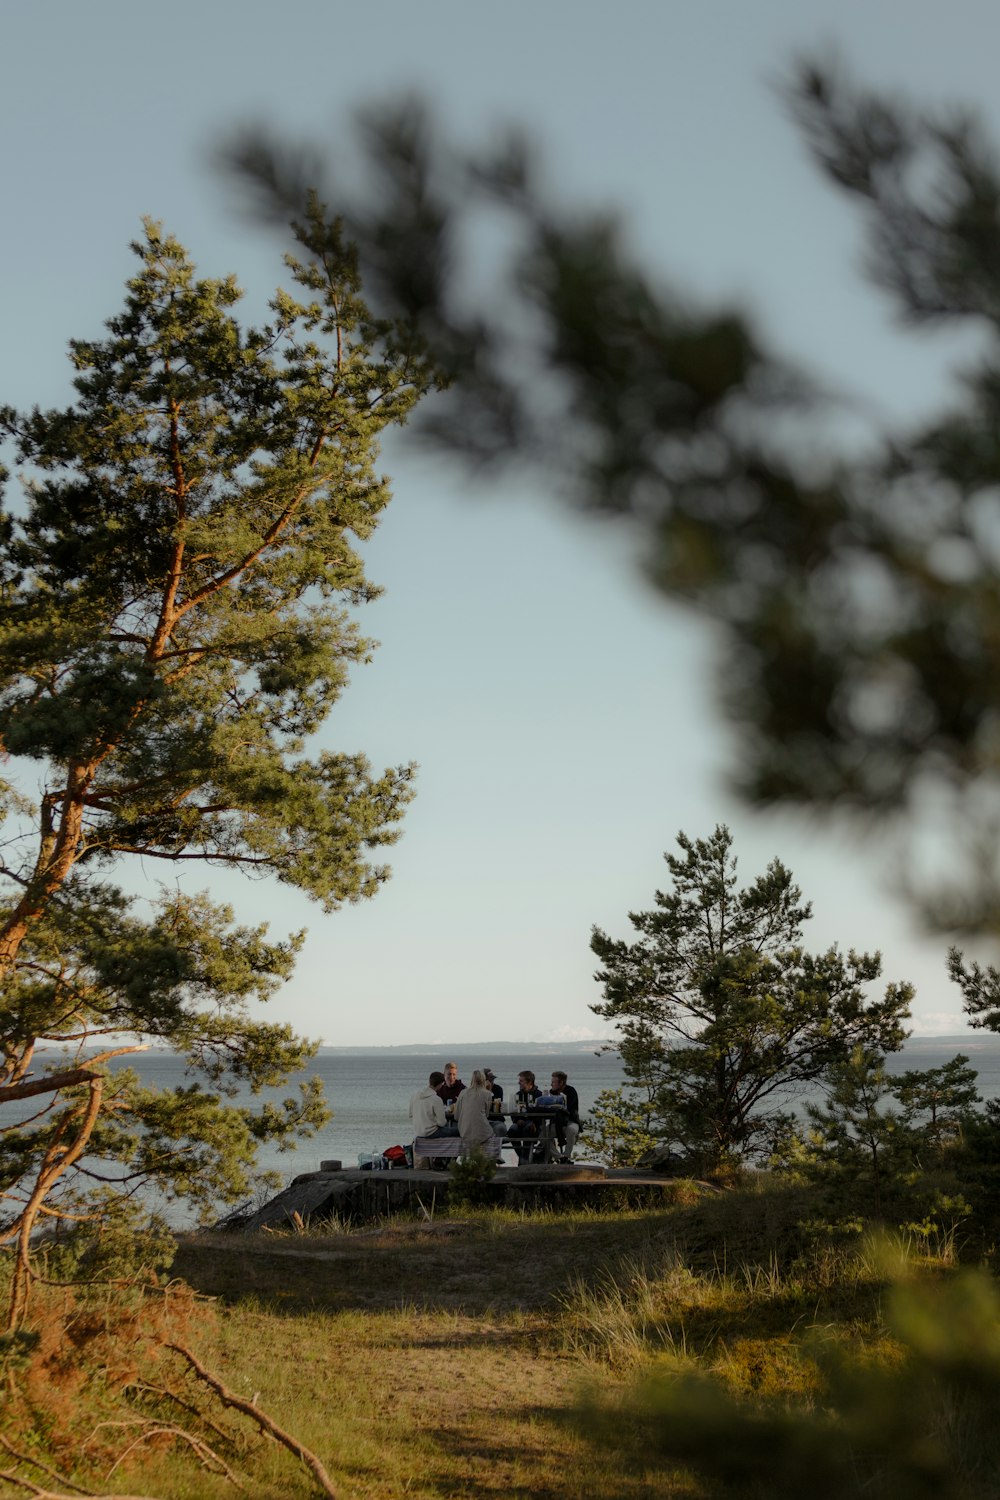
<point x="491" y="1083"/>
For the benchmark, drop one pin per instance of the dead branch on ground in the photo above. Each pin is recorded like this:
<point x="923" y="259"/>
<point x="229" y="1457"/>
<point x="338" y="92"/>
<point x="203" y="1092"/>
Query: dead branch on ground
<point x="263" y="1421"/>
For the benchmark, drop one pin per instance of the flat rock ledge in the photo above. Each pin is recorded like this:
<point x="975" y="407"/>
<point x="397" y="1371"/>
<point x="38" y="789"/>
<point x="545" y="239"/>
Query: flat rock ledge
<point x="359" y="1197"/>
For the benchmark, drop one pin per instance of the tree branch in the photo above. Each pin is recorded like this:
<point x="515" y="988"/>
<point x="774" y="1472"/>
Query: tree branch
<point x="53" y="1082"/>
<point x="263" y="1421"/>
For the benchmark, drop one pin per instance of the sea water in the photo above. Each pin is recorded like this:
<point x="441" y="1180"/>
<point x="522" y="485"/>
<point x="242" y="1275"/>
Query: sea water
<point x="369" y="1092"/>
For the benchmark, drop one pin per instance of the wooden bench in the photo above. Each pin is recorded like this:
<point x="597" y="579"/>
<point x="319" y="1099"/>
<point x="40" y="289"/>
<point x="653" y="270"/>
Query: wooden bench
<point x="452" y="1146"/>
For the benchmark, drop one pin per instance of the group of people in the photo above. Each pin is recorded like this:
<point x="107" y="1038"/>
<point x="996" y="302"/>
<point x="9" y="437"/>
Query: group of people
<point x="449" y="1107"/>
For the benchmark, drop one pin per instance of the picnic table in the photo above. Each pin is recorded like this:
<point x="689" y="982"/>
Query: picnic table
<point x="544" y="1141"/>
<point x="541" y="1136"/>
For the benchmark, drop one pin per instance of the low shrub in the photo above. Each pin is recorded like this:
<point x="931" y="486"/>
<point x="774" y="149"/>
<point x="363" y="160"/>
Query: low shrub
<point x="469" y="1179"/>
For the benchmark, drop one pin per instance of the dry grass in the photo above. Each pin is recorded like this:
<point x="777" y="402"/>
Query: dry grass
<point x="449" y="1359"/>
<point x="426" y="1404"/>
<point x="487" y="1261"/>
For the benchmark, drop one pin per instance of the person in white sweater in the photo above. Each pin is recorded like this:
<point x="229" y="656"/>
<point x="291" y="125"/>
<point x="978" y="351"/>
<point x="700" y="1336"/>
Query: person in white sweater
<point x="427" y="1112"/>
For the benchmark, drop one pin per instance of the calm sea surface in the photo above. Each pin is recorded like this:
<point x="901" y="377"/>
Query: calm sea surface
<point x="370" y="1092"/>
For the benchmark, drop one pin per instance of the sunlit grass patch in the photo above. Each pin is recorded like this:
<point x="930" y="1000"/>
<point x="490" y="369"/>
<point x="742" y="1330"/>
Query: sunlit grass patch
<point x="447" y="1357"/>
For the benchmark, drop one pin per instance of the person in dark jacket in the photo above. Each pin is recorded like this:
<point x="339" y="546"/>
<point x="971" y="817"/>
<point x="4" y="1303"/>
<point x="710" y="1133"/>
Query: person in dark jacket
<point x="524" y="1131"/>
<point x="452" y="1086"/>
<point x="491" y="1083"/>
<point x="568" y="1130"/>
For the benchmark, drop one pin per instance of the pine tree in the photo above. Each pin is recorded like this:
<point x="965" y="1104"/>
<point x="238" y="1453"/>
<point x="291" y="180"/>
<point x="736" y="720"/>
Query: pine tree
<point x="720" y="1011"/>
<point x="175" y="630"/>
<point x="938" y="1102"/>
<point x="851" y="585"/>
<point x="856" y="1127"/>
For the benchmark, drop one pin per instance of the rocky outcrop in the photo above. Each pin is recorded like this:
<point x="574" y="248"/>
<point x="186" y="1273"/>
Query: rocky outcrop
<point x="662" y="1159"/>
<point x="358" y="1197"/>
<point x="319" y="1195"/>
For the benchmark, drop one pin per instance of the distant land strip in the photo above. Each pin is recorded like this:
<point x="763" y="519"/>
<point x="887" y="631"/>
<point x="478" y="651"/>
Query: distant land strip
<point x="969" y="1042"/>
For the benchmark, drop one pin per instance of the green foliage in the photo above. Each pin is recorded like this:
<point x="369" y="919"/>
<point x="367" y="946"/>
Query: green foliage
<point x="720" y="1010"/>
<point x="980" y="988"/>
<point x="920" y="1422"/>
<point x="938" y="1101"/>
<point x="175" y="629"/>
<point x="619" y="1127"/>
<point x="880" y="1136"/>
<point x="127" y="1245"/>
<point x="732" y="1285"/>
<point x="851" y="585"/>
<point x="172" y="619"/>
<point x="469" y="1177"/>
<point x="856" y="1128"/>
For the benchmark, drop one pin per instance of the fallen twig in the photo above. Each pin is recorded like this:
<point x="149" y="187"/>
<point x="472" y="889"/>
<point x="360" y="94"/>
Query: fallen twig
<point x="263" y="1421"/>
<point x="36" y="1463"/>
<point x="9" y="1477"/>
<point x="204" y="1451"/>
<point x="142" y="1387"/>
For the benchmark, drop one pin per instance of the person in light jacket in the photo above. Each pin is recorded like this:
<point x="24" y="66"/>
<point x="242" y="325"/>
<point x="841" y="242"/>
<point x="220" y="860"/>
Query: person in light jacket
<point x="428" y="1115"/>
<point x="472" y="1109"/>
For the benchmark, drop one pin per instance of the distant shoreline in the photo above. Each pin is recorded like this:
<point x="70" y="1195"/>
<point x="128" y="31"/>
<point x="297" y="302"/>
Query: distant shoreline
<point x="487" y="1052"/>
<point x="962" y="1041"/>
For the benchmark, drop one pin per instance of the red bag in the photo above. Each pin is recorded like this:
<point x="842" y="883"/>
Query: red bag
<point x="395" y="1156"/>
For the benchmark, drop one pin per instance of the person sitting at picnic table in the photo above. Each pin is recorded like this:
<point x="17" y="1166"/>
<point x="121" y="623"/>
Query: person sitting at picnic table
<point x="523" y="1131"/>
<point x="428" y="1115"/>
<point x="452" y="1085"/>
<point x="527" y="1089"/>
<point x="567" y="1130"/>
<point x="472" y="1109"/>
<point x="496" y="1102"/>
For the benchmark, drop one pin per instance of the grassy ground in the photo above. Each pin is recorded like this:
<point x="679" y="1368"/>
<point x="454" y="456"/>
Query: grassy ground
<point x="446" y="1359"/>
<point x="457" y="1357"/>
<point x="431" y="1359"/>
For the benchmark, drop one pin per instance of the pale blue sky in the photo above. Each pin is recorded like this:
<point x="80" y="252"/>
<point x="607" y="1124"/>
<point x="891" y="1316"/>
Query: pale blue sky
<point x="561" y="714"/>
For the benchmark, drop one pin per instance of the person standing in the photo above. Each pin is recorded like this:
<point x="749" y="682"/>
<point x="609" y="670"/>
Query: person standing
<point x="472" y="1109"/>
<point x="428" y="1115"/>
<point x="568" y="1130"/>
